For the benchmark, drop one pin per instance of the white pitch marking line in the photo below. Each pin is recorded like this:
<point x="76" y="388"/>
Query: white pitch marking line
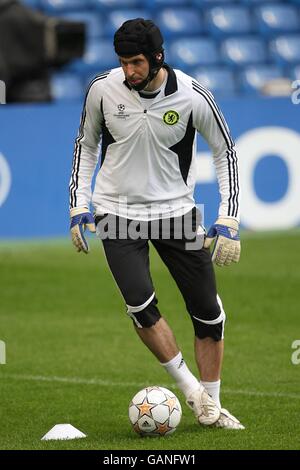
<point x="109" y="383"/>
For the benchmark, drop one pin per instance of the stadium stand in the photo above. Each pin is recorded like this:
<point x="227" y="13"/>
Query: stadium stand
<point x="190" y="52"/>
<point x="115" y="18"/>
<point x="243" y="51"/>
<point x="65" y="87"/>
<point x="286" y="49"/>
<point x="277" y="19"/>
<point x="295" y="72"/>
<point x="229" y="20"/>
<point x="232" y="47"/>
<point x="93" y="20"/>
<point x="179" y="21"/>
<point x="54" y="6"/>
<point x="96" y="53"/>
<point x="254" y="78"/>
<point x="221" y="79"/>
<point x="108" y="4"/>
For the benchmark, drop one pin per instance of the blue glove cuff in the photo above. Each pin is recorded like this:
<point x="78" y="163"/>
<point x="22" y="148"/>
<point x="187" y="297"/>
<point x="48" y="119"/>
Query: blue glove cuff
<point x="82" y="219"/>
<point x="227" y="232"/>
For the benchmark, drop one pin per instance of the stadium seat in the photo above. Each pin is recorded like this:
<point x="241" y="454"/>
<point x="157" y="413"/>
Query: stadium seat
<point x="106" y="4"/>
<point x="191" y="52"/>
<point x="65" y="87"/>
<point x="93" y="21"/>
<point x="228" y="20"/>
<point x="210" y="3"/>
<point x="99" y="55"/>
<point x="253" y="78"/>
<point x="244" y="50"/>
<point x="115" y="18"/>
<point x="257" y="2"/>
<point x="294" y="72"/>
<point x="175" y="21"/>
<point x="286" y="49"/>
<point x="157" y="4"/>
<point x="219" y="80"/>
<point x="277" y="19"/>
<point x="54" y="6"/>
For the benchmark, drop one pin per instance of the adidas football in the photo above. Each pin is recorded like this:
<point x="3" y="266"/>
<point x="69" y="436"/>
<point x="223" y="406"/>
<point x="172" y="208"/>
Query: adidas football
<point x="155" y="411"/>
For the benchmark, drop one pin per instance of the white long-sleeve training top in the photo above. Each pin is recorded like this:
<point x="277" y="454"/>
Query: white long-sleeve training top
<point x="147" y="166"/>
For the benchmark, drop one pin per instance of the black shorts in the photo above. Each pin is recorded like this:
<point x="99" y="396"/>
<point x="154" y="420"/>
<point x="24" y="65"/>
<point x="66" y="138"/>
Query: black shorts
<point x="191" y="269"/>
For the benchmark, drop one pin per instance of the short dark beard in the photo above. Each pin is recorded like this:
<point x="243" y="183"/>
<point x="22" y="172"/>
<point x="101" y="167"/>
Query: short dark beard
<point x="141" y="86"/>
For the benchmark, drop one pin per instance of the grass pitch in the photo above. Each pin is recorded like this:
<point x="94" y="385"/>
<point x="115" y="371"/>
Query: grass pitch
<point x="73" y="357"/>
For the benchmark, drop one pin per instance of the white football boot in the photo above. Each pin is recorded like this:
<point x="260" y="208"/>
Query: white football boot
<point x="227" y="421"/>
<point x="204" y="407"/>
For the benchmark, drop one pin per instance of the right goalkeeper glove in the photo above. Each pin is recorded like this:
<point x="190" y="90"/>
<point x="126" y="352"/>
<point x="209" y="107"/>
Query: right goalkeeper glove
<point x="80" y="219"/>
<point x="225" y="235"/>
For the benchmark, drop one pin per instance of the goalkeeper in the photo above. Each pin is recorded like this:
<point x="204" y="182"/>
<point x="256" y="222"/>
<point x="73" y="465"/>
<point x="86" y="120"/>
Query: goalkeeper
<point x="144" y="115"/>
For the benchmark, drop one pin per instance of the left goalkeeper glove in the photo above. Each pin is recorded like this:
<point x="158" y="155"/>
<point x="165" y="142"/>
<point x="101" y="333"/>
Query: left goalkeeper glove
<point x="227" y="247"/>
<point x="80" y="219"/>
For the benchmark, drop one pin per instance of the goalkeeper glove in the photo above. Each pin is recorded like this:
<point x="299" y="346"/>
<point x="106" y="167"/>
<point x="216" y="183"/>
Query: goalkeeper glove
<point x="80" y="219"/>
<point x="227" y="247"/>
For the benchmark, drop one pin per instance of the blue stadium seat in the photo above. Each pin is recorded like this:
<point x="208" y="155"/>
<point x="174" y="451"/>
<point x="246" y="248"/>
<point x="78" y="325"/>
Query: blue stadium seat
<point x="191" y="52"/>
<point x="286" y="49"/>
<point x="242" y="51"/>
<point x="219" y="80"/>
<point x="157" y="4"/>
<point x="210" y="3"/>
<point x="115" y="18"/>
<point x="176" y="21"/>
<point x="294" y="72"/>
<point x="99" y="55"/>
<point x="277" y="19"/>
<point x="54" y="6"/>
<point x="228" y="20"/>
<point x="66" y="86"/>
<point x="257" y="2"/>
<point x="93" y="20"/>
<point x="204" y="4"/>
<point x="106" y="4"/>
<point x="253" y="78"/>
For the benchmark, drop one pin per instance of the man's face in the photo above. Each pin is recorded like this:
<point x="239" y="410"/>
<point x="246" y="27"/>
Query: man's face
<point x="136" y="68"/>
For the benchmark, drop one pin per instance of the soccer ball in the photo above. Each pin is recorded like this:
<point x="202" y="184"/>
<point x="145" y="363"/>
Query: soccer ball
<point x="155" y="411"/>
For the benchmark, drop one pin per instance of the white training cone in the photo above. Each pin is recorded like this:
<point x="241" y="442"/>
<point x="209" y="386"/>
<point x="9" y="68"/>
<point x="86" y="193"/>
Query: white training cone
<point x="62" y="431"/>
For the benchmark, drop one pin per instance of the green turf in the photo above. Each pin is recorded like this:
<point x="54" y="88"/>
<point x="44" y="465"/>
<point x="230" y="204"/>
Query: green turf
<point x="62" y="318"/>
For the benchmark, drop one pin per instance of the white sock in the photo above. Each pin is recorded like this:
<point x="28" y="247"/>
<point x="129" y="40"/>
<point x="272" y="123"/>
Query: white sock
<point x="178" y="369"/>
<point x="213" y="389"/>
